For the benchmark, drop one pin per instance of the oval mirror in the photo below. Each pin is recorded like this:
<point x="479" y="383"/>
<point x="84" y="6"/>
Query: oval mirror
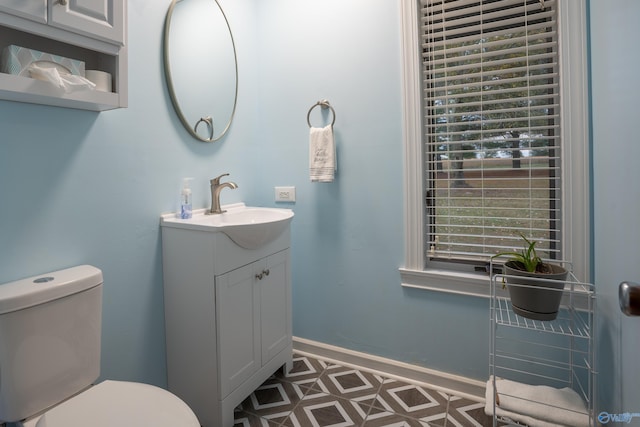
<point x="201" y="67"/>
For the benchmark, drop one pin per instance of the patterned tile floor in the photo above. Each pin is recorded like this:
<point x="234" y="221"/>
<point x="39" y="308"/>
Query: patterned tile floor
<point x="322" y="394"/>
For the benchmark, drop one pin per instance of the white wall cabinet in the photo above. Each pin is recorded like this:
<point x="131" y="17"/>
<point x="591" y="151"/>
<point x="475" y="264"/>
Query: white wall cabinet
<point x="227" y="316"/>
<point x="35" y="10"/>
<point x="96" y="18"/>
<point x="93" y="31"/>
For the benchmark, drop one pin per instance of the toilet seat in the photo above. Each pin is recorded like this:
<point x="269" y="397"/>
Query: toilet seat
<point x="112" y="403"/>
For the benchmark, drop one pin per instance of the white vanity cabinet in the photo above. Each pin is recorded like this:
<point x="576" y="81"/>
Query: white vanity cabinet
<point x="253" y="321"/>
<point x="93" y="32"/>
<point x="227" y="316"/>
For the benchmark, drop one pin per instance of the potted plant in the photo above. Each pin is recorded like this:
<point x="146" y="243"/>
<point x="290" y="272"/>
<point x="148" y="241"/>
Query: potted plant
<point x="535" y="286"/>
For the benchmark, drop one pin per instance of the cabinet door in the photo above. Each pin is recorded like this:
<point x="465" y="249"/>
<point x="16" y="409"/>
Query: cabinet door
<point x="36" y="10"/>
<point x="275" y="305"/>
<point x="238" y="327"/>
<point x="96" y="18"/>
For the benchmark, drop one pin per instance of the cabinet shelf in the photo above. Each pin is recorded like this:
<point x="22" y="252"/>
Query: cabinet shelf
<point x="24" y="89"/>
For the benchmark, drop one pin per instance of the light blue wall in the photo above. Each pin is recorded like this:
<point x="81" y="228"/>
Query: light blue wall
<point x="348" y="235"/>
<point x="79" y="187"/>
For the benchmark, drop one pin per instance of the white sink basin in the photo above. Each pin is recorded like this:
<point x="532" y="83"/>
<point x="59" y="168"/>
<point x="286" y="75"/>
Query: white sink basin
<point x="249" y="227"/>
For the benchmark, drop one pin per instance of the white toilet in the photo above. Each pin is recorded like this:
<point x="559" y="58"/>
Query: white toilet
<point x="50" y="328"/>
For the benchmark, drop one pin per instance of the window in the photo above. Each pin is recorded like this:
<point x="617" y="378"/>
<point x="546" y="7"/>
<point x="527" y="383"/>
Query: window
<point x="492" y="148"/>
<point x="491" y="127"/>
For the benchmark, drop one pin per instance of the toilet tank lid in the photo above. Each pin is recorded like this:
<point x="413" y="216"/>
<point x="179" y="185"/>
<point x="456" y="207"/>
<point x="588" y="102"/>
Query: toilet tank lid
<point x="47" y="287"/>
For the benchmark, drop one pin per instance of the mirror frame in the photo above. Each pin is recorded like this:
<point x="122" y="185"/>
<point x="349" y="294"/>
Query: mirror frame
<point x="169" y="81"/>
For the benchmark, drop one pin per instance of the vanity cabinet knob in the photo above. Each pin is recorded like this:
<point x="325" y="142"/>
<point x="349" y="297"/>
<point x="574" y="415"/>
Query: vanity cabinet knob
<point x="264" y="273"/>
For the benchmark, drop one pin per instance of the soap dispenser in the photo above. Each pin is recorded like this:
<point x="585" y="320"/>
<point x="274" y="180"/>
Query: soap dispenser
<point x="185" y="199"/>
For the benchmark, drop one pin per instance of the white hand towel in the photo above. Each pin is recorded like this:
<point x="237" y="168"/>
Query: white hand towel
<point x="536" y="405"/>
<point x="322" y="154"/>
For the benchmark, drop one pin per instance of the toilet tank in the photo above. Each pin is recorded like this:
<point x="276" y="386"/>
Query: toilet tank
<point x="50" y="328"/>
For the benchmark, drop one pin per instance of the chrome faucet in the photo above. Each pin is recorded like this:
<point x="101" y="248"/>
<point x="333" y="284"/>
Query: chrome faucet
<point x="216" y="188"/>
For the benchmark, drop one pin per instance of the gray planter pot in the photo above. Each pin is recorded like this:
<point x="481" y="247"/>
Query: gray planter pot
<point x="535" y="299"/>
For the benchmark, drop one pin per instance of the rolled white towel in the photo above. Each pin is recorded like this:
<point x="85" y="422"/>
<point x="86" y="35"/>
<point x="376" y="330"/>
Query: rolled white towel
<point x="536" y="406"/>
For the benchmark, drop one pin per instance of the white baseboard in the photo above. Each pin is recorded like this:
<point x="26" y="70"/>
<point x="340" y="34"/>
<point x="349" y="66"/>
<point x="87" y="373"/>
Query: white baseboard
<point x="448" y="383"/>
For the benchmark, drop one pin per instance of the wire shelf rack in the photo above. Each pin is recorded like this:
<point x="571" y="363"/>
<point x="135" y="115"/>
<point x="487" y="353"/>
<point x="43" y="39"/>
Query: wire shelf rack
<point x="550" y="355"/>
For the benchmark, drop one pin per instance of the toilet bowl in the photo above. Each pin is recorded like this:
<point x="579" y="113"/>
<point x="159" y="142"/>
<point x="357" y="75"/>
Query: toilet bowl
<point x="50" y="359"/>
<point x="115" y="403"/>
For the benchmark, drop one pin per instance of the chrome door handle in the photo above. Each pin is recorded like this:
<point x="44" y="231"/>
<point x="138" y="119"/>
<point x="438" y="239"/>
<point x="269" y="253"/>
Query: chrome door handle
<point x="629" y="297"/>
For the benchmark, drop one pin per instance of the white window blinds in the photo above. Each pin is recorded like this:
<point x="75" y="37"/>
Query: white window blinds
<point x="491" y="121"/>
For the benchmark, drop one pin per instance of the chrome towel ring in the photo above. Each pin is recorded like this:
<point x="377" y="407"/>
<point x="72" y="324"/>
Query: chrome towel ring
<point x="324" y="104"/>
<point x="209" y="122"/>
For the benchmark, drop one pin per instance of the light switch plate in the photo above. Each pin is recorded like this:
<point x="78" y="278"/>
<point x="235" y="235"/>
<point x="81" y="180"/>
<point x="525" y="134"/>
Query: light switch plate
<point x="285" y="194"/>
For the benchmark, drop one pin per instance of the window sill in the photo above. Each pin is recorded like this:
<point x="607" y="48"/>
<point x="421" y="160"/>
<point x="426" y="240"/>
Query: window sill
<point x="471" y="284"/>
<point x="454" y="282"/>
